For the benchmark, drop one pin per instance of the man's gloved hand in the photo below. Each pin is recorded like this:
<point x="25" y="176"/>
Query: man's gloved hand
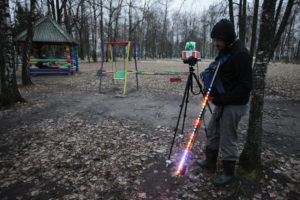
<point x="219" y="100"/>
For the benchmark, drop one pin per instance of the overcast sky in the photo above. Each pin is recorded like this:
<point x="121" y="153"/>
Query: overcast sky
<point x="191" y="5"/>
<point x="196" y="6"/>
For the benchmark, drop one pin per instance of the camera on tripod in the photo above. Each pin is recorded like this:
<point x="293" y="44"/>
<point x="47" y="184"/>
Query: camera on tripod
<point x="190" y="60"/>
<point x="190" y="55"/>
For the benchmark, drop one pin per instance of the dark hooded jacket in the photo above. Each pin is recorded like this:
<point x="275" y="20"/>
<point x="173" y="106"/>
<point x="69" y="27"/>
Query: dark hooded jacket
<point x="236" y="72"/>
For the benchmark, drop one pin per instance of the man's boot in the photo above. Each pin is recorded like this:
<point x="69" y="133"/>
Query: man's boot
<point x="210" y="161"/>
<point x="227" y="175"/>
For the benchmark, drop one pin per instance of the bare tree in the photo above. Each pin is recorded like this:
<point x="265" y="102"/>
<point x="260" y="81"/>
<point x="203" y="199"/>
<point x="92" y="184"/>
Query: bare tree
<point x="101" y="24"/>
<point x="111" y="11"/>
<point x="289" y="38"/>
<point x="67" y="16"/>
<point x="26" y="79"/>
<point x="55" y="7"/>
<point x="163" y="41"/>
<point x="242" y="20"/>
<point x="231" y="16"/>
<point x="134" y="25"/>
<point x="278" y="11"/>
<point x="251" y="156"/>
<point x="116" y="20"/>
<point x="82" y="26"/>
<point x="254" y="28"/>
<point x="9" y="89"/>
<point x="282" y="26"/>
<point x="94" y="33"/>
<point x="297" y="55"/>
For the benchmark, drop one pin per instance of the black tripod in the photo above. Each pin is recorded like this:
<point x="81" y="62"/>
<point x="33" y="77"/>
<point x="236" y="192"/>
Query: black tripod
<point x="185" y="100"/>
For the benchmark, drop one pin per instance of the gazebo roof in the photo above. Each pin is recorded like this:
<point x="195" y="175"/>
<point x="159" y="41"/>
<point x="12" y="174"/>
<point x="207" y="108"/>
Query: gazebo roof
<point x="47" y="30"/>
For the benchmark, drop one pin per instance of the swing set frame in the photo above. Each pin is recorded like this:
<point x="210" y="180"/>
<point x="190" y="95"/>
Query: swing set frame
<point x="119" y="75"/>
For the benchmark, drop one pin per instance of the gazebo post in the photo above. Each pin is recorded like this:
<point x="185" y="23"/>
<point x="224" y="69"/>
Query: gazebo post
<point x="68" y="57"/>
<point x="72" y="69"/>
<point x="21" y="51"/>
<point x="76" y="57"/>
<point x="65" y="50"/>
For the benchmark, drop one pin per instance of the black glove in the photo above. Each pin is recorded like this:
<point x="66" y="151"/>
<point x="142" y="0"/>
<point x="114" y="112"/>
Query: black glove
<point x="220" y="100"/>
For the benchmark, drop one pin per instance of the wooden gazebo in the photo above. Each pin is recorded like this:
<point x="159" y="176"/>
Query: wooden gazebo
<point x="48" y="33"/>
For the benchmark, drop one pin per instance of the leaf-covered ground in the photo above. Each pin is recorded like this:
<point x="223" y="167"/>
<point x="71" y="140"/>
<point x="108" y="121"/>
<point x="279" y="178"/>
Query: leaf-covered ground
<point x="70" y="142"/>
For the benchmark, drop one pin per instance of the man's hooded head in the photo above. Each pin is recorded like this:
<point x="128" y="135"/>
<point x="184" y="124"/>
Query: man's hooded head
<point x="224" y="30"/>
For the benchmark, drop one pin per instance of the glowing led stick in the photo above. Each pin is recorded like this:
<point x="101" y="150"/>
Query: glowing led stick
<point x="192" y="136"/>
<point x="196" y="126"/>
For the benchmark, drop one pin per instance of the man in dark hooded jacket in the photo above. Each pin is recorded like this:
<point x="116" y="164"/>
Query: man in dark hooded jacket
<point x="236" y="76"/>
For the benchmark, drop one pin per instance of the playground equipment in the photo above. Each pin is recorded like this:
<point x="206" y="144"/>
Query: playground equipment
<point x="48" y="32"/>
<point x="167" y="73"/>
<point x="119" y="77"/>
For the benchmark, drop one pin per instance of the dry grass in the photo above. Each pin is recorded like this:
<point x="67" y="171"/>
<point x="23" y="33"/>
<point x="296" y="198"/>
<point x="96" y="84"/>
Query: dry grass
<point x="283" y="80"/>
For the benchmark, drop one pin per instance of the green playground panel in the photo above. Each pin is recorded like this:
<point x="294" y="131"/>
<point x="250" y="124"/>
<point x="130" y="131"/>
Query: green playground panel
<point x="33" y="67"/>
<point x="68" y="64"/>
<point x="48" y="60"/>
<point x="120" y="75"/>
<point x="63" y="67"/>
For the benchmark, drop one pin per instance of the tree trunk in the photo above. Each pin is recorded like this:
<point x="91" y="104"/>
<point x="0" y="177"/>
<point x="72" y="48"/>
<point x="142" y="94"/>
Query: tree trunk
<point x="26" y="79"/>
<point x="48" y="8"/>
<point x="283" y="24"/>
<point x="81" y="52"/>
<point x="242" y="20"/>
<point x="116" y="31"/>
<point x="297" y="56"/>
<point x="101" y="26"/>
<point x="9" y="89"/>
<point x="59" y="10"/>
<point x="254" y="28"/>
<point x="240" y="16"/>
<point x="278" y="10"/>
<point x="251" y="156"/>
<point x="53" y="9"/>
<point x="82" y="32"/>
<point x="231" y="11"/>
<point x="109" y="26"/>
<point x="67" y="20"/>
<point x="58" y="13"/>
<point x="163" y="38"/>
<point x="94" y="33"/>
<point x="130" y="21"/>
<point x="288" y="42"/>
<point x="283" y="40"/>
<point x="87" y="38"/>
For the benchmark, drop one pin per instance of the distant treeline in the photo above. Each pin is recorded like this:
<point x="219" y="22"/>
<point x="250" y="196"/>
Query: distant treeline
<point x="158" y="31"/>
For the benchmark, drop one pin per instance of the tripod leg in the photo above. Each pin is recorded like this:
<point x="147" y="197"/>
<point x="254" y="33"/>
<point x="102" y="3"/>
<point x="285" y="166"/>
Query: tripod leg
<point x="201" y="90"/>
<point x="186" y="90"/>
<point x="186" y="103"/>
